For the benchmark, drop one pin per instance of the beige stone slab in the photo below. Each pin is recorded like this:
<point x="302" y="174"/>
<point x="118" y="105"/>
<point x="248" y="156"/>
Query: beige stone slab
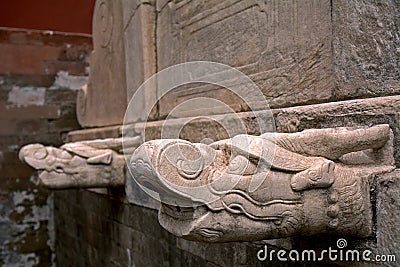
<point x="284" y="46"/>
<point x="291" y="119"/>
<point x="95" y="133"/>
<point x="388" y="214"/>
<point x="103" y="101"/>
<point x="366" y="45"/>
<point x="140" y="49"/>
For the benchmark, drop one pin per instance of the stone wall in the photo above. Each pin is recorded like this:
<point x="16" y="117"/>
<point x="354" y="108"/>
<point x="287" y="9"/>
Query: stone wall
<point x="101" y="230"/>
<point x="40" y="74"/>
<point x="320" y="64"/>
<point x="117" y="227"/>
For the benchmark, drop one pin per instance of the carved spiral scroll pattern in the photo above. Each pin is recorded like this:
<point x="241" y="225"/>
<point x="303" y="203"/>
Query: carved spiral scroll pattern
<point x="106" y="24"/>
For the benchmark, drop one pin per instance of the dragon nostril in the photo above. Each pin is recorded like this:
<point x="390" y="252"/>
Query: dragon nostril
<point x="59" y="169"/>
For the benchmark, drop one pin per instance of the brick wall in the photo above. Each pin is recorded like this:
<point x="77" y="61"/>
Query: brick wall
<point x="101" y="230"/>
<point x="39" y="77"/>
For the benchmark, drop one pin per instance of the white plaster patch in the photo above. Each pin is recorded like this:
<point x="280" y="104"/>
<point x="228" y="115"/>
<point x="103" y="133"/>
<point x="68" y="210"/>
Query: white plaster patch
<point x="51" y="229"/>
<point x="16" y="233"/>
<point x="20" y="209"/>
<point x="20" y="196"/>
<point x="25" y="96"/>
<point x="64" y="80"/>
<point x="29" y="260"/>
<point x="39" y="214"/>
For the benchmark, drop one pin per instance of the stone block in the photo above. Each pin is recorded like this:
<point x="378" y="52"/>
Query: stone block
<point x="107" y="79"/>
<point x="95" y="133"/>
<point x="137" y="196"/>
<point x="366" y="50"/>
<point x="284" y="47"/>
<point x="388" y="214"/>
<point x="140" y="49"/>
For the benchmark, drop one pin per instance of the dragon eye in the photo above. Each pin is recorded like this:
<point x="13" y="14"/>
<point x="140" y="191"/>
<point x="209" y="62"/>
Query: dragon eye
<point x="242" y="166"/>
<point x="314" y="175"/>
<point x="40" y="153"/>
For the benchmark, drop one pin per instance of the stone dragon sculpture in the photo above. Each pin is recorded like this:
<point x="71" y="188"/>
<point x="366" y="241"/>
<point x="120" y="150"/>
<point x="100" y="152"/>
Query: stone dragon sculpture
<point x="84" y="164"/>
<point x="269" y="186"/>
<point x="240" y="189"/>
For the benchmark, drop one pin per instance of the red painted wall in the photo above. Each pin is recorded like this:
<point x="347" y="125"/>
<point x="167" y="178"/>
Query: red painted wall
<point x="56" y="15"/>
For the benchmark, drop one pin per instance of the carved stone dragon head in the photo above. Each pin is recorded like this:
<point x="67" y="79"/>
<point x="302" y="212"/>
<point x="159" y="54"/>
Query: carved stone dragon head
<point x="259" y="187"/>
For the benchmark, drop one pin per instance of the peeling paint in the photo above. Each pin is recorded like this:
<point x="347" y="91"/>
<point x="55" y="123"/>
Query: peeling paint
<point x="64" y="80"/>
<point x="20" y="196"/>
<point x="25" y="96"/>
<point x="30" y="260"/>
<point x="51" y="229"/>
<point x="19" y="217"/>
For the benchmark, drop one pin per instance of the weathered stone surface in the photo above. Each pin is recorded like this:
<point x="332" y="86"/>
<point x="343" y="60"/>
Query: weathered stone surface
<point x="284" y="46"/>
<point x="107" y="79"/>
<point x="366" y="45"/>
<point x="95" y="163"/>
<point x="140" y="50"/>
<point x="292" y="119"/>
<point x="318" y="183"/>
<point x="95" y="133"/>
<point x="136" y="195"/>
<point x="388" y="214"/>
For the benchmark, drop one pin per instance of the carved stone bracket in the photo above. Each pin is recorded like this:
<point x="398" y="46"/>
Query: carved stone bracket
<point x="269" y="186"/>
<point x="85" y="164"/>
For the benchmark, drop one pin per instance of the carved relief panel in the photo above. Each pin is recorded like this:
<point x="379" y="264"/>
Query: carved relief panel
<point x="284" y="47"/>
